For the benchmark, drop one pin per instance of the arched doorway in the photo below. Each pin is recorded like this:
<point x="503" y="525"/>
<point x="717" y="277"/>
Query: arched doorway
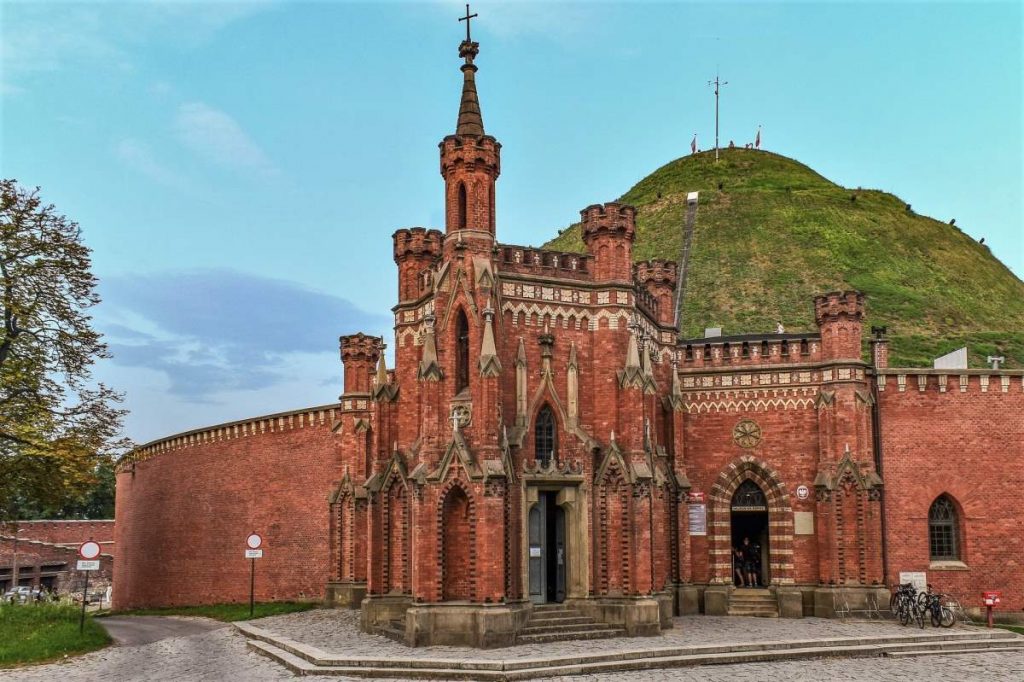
<point x="748" y="519"/>
<point x="547" y="547"/>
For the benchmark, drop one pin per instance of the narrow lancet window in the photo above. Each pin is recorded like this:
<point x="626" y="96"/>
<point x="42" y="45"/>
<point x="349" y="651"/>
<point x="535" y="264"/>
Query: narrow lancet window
<point x="544" y="435"/>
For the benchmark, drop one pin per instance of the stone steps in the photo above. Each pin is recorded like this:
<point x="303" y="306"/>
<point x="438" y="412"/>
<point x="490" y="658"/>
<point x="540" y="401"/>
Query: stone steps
<point x="306" y="660"/>
<point x="558" y="622"/>
<point x="750" y="601"/>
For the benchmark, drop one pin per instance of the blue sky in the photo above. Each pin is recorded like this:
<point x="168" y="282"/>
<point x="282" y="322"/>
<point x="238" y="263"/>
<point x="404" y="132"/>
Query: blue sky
<point x="238" y="169"/>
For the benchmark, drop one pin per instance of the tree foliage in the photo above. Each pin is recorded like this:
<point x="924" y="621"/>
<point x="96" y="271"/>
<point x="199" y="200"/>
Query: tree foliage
<point x="57" y="426"/>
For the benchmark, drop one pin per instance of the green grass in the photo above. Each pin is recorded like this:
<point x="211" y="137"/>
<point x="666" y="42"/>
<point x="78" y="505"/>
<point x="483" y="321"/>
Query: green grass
<point x="224" y="612"/>
<point x="776" y="234"/>
<point x="33" y="633"/>
<point x="1019" y="629"/>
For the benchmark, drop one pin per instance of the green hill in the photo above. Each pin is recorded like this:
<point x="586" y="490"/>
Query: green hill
<point x="771" y="233"/>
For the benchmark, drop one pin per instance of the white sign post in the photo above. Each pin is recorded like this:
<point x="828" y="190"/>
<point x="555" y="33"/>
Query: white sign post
<point x="252" y="553"/>
<point x="89" y="553"/>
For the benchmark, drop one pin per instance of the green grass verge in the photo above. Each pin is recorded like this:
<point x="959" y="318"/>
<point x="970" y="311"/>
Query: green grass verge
<point x="1019" y="629"/>
<point x="224" y="612"/>
<point x="33" y="633"/>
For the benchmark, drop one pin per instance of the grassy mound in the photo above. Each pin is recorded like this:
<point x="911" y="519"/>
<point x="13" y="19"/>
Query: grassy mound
<point x="771" y="234"/>
<point x="33" y="633"/>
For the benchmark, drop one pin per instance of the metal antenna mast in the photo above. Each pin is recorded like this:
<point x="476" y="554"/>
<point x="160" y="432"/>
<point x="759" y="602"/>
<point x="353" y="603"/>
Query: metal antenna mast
<point x="717" y="85"/>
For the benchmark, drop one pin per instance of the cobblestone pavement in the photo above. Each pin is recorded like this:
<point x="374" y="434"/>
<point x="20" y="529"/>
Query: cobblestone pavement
<point x="221" y="655"/>
<point x="337" y="630"/>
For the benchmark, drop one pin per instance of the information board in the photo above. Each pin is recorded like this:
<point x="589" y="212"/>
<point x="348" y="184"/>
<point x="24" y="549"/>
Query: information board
<point x="698" y="514"/>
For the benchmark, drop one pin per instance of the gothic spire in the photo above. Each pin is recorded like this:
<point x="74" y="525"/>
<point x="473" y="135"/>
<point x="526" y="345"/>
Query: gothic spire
<point x="470" y="121"/>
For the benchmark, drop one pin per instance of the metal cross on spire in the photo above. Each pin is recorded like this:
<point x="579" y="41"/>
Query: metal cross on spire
<point x="466" y="19"/>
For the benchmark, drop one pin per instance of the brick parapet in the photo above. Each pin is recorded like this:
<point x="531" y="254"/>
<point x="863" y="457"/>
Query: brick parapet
<point x="749" y="350"/>
<point x="319" y="416"/>
<point x="952" y="381"/>
<point x="543" y="262"/>
<point x="66" y="532"/>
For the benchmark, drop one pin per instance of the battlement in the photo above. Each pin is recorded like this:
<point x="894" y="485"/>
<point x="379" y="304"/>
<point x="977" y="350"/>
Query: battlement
<point x="554" y="264"/>
<point x="417" y="242"/>
<point x="359" y="353"/>
<point x="953" y="381"/>
<point x="838" y="305"/>
<point x="355" y="347"/>
<point x="472" y="153"/>
<point x="655" y="272"/>
<point x="611" y="218"/>
<point x="749" y="349"/>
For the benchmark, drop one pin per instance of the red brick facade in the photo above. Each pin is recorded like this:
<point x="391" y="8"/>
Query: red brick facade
<point x="420" y="490"/>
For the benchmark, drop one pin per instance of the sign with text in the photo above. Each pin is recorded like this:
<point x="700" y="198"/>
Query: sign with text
<point x="917" y="578"/>
<point x="88" y="564"/>
<point x="254" y="554"/>
<point x="698" y="515"/>
<point x="695" y="498"/>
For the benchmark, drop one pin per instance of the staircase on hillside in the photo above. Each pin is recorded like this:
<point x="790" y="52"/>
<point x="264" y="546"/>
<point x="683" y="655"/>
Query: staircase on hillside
<point x="558" y="622"/>
<point x="753" y="601"/>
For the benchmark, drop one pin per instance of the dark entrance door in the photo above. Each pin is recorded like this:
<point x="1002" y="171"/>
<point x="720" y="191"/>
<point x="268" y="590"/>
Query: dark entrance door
<point x="749" y="519"/>
<point x="547" y="550"/>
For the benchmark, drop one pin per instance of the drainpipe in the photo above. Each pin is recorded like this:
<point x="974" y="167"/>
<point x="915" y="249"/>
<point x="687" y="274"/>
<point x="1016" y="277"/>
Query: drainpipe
<point x="876" y="436"/>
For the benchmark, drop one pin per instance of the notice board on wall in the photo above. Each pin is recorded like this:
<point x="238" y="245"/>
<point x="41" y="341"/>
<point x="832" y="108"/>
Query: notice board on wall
<point x="698" y="514"/>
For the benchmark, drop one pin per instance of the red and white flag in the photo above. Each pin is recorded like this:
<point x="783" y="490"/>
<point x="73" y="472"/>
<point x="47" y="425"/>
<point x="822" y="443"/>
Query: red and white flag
<point x="693" y="144"/>
<point x="757" y="140"/>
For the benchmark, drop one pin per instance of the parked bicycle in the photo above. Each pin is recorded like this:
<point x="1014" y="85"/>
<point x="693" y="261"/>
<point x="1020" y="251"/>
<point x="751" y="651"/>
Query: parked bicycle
<point x="934" y="604"/>
<point x="907" y="604"/>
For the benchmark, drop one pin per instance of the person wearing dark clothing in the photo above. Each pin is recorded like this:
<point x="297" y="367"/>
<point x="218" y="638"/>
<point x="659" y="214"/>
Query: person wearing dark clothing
<point x="751" y="562"/>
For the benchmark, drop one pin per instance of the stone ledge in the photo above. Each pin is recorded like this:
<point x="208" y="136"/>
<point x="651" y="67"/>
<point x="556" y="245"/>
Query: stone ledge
<point x="305" y="660"/>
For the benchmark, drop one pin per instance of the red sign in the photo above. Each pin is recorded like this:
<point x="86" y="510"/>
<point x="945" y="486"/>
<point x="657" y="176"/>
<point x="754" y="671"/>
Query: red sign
<point x="253" y="541"/>
<point x="990" y="598"/>
<point x="89" y="550"/>
<point x="696" y="498"/>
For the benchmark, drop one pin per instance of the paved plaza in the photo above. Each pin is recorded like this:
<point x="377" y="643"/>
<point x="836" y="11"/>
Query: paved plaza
<point x="221" y="654"/>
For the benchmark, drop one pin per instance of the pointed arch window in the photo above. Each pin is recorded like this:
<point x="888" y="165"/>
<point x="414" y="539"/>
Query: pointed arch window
<point x="544" y="435"/>
<point x="462" y="206"/>
<point x="461" y="351"/>
<point x="943" y="530"/>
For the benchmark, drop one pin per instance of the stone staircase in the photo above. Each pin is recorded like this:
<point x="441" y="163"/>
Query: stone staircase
<point x="558" y="622"/>
<point x="753" y="601"/>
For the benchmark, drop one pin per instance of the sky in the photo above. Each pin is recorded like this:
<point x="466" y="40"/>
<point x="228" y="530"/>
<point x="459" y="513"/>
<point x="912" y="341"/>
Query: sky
<point x="238" y="168"/>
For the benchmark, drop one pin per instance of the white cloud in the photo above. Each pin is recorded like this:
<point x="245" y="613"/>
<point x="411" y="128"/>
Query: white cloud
<point x="137" y="156"/>
<point x="217" y="137"/>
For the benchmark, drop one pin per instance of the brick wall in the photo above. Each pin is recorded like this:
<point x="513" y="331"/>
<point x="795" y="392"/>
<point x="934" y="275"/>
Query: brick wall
<point x="185" y="506"/>
<point x="68" y="532"/>
<point x="970" y="445"/>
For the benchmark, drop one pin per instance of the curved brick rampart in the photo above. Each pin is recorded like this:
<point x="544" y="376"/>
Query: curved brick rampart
<point x="186" y="503"/>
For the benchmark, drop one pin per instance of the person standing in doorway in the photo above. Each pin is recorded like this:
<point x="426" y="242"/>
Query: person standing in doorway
<point x="738" y="567"/>
<point x="751" y="562"/>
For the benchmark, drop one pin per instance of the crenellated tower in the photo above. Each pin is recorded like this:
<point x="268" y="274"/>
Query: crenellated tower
<point x="609" y="232"/>
<point x="658" y="279"/>
<point x="840" y="317"/>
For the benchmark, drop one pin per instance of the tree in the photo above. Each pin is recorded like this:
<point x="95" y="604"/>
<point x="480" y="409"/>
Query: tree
<point x="56" y="425"/>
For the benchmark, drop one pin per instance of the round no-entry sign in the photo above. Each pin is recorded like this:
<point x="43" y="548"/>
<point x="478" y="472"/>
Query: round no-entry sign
<point x="89" y="550"/>
<point x="254" y="541"/>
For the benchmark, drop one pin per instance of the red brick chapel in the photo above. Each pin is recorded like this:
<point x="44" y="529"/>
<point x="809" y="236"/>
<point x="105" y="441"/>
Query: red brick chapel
<point x="547" y="444"/>
<point x="533" y="442"/>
